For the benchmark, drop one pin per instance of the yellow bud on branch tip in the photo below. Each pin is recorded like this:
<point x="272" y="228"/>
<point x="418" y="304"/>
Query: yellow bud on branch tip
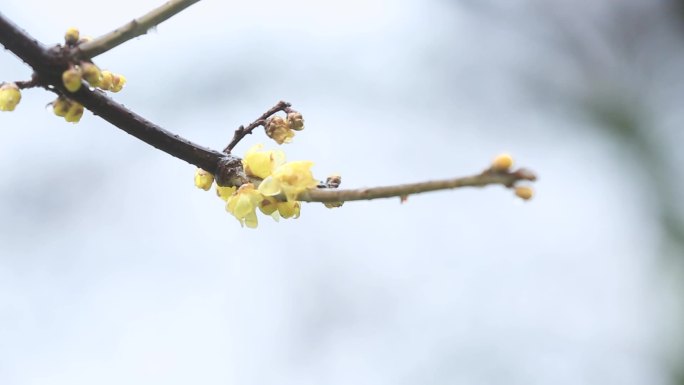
<point x="524" y="192"/>
<point x="10" y="96"/>
<point x="502" y="162"/>
<point x="71" y="36"/>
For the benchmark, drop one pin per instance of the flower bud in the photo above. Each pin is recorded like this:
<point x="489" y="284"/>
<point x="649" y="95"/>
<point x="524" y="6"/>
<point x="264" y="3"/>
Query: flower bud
<point x="502" y="162"/>
<point x="61" y="106"/>
<point x="118" y="81"/>
<point x="296" y="120"/>
<point x="71" y="36"/>
<point x="289" y="209"/>
<point x="278" y="129"/>
<point x="203" y="179"/>
<point x="106" y="80"/>
<point x="91" y="73"/>
<point x="10" y="96"/>
<point x="524" y="192"/>
<point x="72" y="79"/>
<point x="75" y="113"/>
<point x="333" y="181"/>
<point x="332" y="205"/>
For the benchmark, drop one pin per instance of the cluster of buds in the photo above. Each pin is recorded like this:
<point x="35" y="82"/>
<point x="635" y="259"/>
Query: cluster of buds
<point x="73" y="77"/>
<point x="504" y="163"/>
<point x="105" y="80"/>
<point x="70" y="110"/>
<point x="279" y="184"/>
<point x="10" y="96"/>
<point x="282" y="130"/>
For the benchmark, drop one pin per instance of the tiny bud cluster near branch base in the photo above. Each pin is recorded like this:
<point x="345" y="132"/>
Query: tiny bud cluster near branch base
<point x="262" y="180"/>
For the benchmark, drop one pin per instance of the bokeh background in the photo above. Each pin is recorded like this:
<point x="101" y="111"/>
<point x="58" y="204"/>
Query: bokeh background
<point x="115" y="269"/>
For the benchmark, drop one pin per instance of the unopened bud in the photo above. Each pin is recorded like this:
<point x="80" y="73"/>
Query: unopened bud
<point x="71" y="36"/>
<point x="106" y="80"/>
<point x="72" y="79"/>
<point x="91" y="73"/>
<point x="118" y="81"/>
<point x="75" y="113"/>
<point x="278" y="129"/>
<point x="333" y="181"/>
<point x="10" y="96"/>
<point x="524" y="192"/>
<point x="61" y="106"/>
<point x="502" y="162"/>
<point x="203" y="179"/>
<point x="296" y="120"/>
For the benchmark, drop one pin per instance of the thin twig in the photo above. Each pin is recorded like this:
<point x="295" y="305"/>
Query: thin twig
<point x="485" y="178"/>
<point x="24" y="84"/>
<point x="133" y="29"/>
<point x="243" y="131"/>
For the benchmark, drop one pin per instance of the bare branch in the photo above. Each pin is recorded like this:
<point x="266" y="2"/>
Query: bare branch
<point x="243" y="131"/>
<point x="485" y="178"/>
<point x="133" y="29"/>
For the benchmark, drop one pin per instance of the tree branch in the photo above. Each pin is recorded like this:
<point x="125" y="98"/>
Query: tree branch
<point x="243" y="131"/>
<point x="132" y="29"/>
<point x="49" y="64"/>
<point x="487" y="177"/>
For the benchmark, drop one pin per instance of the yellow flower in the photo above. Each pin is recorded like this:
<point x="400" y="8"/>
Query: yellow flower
<point x="278" y="129"/>
<point x="289" y="179"/>
<point x="203" y="179"/>
<point x="269" y="206"/>
<point x="74" y="113"/>
<point x="276" y="209"/>
<point x="72" y="79"/>
<point x="225" y="192"/>
<point x="261" y="163"/>
<point x="243" y="205"/>
<point x="289" y="209"/>
<point x="10" y="96"/>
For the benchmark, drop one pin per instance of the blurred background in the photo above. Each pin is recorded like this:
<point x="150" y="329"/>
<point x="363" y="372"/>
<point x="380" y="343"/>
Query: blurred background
<point x="115" y="269"/>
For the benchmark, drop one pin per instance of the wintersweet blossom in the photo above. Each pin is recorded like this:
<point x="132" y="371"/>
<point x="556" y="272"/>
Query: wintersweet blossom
<point x="290" y="179"/>
<point x="243" y="205"/>
<point x="260" y="163"/>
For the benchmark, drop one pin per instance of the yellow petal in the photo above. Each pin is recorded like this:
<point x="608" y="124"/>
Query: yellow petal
<point x="270" y="186"/>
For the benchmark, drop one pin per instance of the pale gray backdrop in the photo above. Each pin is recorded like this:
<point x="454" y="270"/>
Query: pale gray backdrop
<point x="115" y="269"/>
